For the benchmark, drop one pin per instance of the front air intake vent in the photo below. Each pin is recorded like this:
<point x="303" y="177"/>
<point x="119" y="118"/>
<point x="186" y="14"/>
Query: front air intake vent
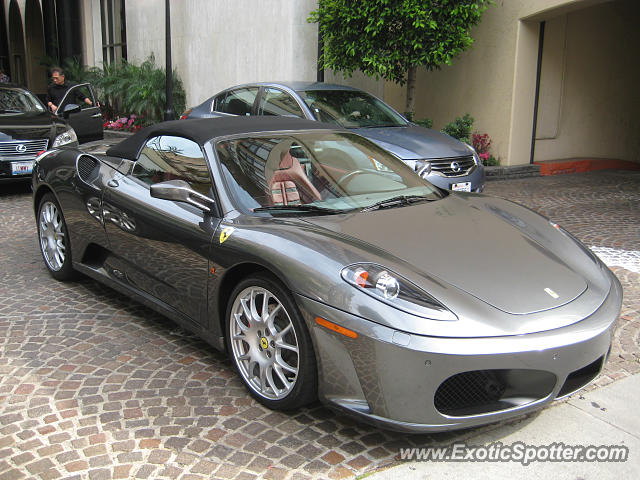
<point x="87" y="168"/>
<point x="580" y="378"/>
<point x="487" y="391"/>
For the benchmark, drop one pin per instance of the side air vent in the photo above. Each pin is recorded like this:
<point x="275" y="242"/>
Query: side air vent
<point x="87" y="168"/>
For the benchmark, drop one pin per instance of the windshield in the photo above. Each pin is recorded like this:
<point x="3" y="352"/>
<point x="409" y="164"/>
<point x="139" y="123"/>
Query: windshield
<point x="15" y="100"/>
<point x="350" y="109"/>
<point x="317" y="173"/>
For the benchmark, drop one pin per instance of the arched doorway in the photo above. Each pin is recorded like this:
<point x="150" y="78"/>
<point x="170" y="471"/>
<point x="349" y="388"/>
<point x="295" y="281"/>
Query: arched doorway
<point x="16" y="45"/>
<point x="36" y="70"/>
<point x="5" y="65"/>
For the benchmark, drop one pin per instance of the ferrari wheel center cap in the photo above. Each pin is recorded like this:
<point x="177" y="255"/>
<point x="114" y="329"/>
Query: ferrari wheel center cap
<point x="264" y="343"/>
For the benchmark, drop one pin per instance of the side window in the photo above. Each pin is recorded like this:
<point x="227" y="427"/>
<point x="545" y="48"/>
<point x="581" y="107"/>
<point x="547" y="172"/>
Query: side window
<point x="237" y="102"/>
<point x="173" y="158"/>
<point x="218" y="102"/>
<point x="277" y="102"/>
<point x="77" y="95"/>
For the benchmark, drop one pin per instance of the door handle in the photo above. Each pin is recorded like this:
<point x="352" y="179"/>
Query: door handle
<point x="96" y="115"/>
<point x="113" y="183"/>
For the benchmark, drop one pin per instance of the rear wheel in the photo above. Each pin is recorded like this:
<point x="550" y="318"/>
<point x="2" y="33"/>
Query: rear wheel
<point x="54" y="239"/>
<point x="270" y="344"/>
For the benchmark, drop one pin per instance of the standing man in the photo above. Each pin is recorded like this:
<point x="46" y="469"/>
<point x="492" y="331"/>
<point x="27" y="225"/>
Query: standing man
<point x="57" y="90"/>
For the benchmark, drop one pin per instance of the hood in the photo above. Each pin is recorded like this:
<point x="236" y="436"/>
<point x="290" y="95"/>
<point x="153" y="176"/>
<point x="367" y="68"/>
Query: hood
<point x="413" y="142"/>
<point x="472" y="249"/>
<point x="27" y="126"/>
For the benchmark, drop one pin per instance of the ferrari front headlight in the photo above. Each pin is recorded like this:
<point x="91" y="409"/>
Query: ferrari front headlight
<point x="66" y="137"/>
<point x="392" y="289"/>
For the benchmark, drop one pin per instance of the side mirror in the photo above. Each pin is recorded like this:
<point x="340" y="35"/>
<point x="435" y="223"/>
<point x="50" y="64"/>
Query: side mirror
<point x="69" y="109"/>
<point x="180" y="191"/>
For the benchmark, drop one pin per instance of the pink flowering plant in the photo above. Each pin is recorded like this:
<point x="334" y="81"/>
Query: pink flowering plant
<point x="132" y="123"/>
<point x="482" y="144"/>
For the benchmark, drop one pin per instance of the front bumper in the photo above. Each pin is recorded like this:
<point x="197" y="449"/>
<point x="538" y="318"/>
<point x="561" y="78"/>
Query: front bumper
<point x="476" y="177"/>
<point x="7" y="173"/>
<point x="415" y="383"/>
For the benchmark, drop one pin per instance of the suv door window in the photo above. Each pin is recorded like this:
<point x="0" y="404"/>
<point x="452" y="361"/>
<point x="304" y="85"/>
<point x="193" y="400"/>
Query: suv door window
<point x="173" y="158"/>
<point x="277" y="102"/>
<point x="87" y="122"/>
<point x="237" y="102"/>
<point x="76" y="95"/>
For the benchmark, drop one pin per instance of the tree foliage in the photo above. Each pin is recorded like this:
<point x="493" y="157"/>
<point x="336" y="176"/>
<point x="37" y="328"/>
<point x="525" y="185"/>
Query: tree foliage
<point x="389" y="38"/>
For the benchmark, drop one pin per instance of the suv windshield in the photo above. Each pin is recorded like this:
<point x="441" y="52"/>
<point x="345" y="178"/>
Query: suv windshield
<point x="317" y="173"/>
<point x="350" y="109"/>
<point x="16" y="100"/>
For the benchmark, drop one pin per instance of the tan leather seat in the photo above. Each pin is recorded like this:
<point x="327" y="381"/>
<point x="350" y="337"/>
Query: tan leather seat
<point x="290" y="185"/>
<point x="284" y="193"/>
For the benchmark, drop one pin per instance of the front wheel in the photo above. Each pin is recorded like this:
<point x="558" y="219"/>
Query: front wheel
<point x="54" y="239"/>
<point x="270" y="345"/>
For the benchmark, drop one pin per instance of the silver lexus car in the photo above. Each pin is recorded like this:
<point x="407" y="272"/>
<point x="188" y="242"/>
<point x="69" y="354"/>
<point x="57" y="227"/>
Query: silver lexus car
<point x="441" y="159"/>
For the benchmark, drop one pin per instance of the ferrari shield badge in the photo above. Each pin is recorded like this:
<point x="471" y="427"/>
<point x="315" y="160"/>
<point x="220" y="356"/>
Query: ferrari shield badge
<point x="226" y="233"/>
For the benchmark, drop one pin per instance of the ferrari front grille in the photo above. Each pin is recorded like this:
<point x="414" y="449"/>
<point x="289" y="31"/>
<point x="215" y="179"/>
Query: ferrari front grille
<point x="484" y="391"/>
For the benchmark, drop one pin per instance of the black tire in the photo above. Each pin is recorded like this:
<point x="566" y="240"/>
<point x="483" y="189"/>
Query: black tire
<point x="279" y="350"/>
<point x="54" y="239"/>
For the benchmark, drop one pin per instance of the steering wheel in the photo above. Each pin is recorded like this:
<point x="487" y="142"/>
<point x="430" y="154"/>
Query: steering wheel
<point x="348" y="177"/>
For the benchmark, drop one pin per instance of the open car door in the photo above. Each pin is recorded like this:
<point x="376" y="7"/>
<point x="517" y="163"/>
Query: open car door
<point x="85" y="119"/>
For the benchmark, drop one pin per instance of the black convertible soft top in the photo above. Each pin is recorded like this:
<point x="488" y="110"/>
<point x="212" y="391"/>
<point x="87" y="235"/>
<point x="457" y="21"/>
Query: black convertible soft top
<point x="201" y="130"/>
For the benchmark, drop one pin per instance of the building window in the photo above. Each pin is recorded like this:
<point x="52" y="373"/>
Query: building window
<point x="114" y="35"/>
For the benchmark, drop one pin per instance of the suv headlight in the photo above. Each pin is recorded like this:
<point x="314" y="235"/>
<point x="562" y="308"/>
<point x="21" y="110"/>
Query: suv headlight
<point x="68" y="136"/>
<point x="422" y="167"/>
<point x="476" y="157"/>
<point x="390" y="288"/>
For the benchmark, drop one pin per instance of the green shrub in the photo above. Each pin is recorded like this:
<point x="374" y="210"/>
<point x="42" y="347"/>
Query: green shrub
<point x="128" y="89"/>
<point x="492" y="161"/>
<point x="76" y="72"/>
<point x="424" y="122"/>
<point x="460" y="128"/>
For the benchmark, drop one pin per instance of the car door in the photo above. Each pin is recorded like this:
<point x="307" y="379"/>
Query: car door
<point x="274" y="101"/>
<point x="238" y="101"/>
<point x="87" y="122"/>
<point x="160" y="246"/>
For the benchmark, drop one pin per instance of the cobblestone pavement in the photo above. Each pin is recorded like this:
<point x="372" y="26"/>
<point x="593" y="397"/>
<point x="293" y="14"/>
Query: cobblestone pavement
<point x="95" y="386"/>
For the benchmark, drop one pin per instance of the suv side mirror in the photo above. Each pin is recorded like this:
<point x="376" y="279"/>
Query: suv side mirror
<point x="181" y="191"/>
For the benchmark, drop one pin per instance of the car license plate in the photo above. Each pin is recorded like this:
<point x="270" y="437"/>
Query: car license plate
<point x="21" y="168"/>
<point x="461" y="187"/>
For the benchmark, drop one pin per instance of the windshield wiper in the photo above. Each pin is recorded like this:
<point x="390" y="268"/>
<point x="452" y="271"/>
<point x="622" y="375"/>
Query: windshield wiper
<point x="397" y="201"/>
<point x="302" y="208"/>
<point x="11" y="111"/>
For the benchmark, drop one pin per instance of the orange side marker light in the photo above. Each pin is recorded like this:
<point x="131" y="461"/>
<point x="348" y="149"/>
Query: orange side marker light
<point x="336" y="328"/>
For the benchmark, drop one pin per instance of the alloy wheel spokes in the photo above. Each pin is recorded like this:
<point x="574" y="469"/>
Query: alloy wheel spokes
<point x="264" y="343"/>
<point x="52" y="238"/>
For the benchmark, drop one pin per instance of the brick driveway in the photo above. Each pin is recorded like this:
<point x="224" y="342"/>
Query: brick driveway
<point x="93" y="385"/>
